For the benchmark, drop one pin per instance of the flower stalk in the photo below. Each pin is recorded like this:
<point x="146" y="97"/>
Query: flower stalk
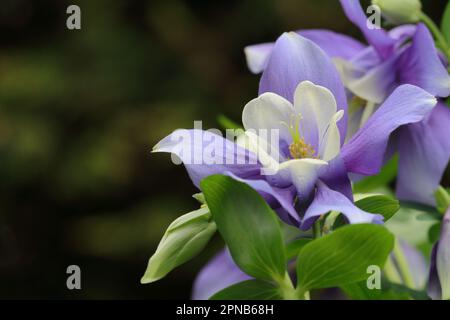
<point x="287" y="289"/>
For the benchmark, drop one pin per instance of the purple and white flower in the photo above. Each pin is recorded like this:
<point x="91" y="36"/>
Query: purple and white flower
<point x="302" y="97"/>
<point x="404" y="55"/>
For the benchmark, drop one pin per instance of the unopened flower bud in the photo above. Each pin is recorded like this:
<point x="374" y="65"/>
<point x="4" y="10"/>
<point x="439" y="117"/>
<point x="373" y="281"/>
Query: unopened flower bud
<point x="400" y="11"/>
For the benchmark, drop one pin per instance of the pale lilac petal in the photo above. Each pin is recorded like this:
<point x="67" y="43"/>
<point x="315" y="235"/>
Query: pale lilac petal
<point x="417" y="265"/>
<point x="295" y="59"/>
<point x="424" y="152"/>
<point x="257" y="56"/>
<point x="372" y="83"/>
<point x="420" y="65"/>
<point x="377" y="37"/>
<point x="336" y="177"/>
<point x="334" y="44"/>
<point x="219" y="273"/>
<point x="204" y="153"/>
<point x="402" y="33"/>
<point x="326" y="200"/>
<point x="367" y="59"/>
<point x="364" y="152"/>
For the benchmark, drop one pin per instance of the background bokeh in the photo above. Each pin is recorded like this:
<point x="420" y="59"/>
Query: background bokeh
<point x="80" y="111"/>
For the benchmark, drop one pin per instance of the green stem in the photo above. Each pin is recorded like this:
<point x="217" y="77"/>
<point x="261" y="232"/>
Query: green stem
<point x="317" y="229"/>
<point x="329" y="221"/>
<point x="437" y="34"/>
<point x="317" y="233"/>
<point x="302" y="294"/>
<point x="287" y="289"/>
<point x="403" y="267"/>
<point x="307" y="296"/>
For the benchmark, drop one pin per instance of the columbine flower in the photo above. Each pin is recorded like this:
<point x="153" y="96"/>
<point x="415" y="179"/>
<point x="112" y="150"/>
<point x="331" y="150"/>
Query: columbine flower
<point x="404" y="55"/>
<point x="308" y="132"/>
<point x="439" y="278"/>
<point x="303" y="98"/>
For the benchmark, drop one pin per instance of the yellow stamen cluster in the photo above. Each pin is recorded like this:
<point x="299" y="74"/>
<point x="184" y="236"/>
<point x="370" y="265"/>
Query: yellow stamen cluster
<point x="300" y="149"/>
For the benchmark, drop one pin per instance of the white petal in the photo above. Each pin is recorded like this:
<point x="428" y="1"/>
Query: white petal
<point x="302" y="173"/>
<point x="317" y="106"/>
<point x="330" y="143"/>
<point x="268" y="155"/>
<point x="257" y="56"/>
<point x="269" y="112"/>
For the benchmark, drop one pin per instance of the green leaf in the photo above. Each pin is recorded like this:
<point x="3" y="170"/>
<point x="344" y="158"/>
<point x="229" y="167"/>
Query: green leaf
<point x="249" y="290"/>
<point x="426" y="216"/>
<point x="434" y="232"/>
<point x="359" y="291"/>
<point x="382" y="204"/>
<point x="293" y="248"/>
<point x="445" y="23"/>
<point x="199" y="197"/>
<point x="386" y="175"/>
<point x="343" y="256"/>
<point x="402" y="290"/>
<point x="249" y="227"/>
<point x="227" y="123"/>
<point x="388" y="291"/>
<point x="442" y="197"/>
<point x="184" y="239"/>
<point x="420" y="207"/>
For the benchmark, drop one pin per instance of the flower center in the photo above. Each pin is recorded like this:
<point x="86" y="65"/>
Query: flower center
<point x="299" y="148"/>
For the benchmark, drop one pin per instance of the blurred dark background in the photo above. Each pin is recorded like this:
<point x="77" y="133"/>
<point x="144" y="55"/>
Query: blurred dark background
<point x="80" y="111"/>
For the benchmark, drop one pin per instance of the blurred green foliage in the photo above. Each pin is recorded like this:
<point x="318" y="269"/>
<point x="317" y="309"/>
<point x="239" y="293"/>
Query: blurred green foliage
<point x="80" y="111"/>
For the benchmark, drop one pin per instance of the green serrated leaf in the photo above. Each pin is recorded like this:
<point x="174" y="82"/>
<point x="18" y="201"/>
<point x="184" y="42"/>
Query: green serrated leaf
<point x="183" y="240"/>
<point x="343" y="256"/>
<point x="248" y="225"/>
<point x="249" y="290"/>
<point x="381" y="204"/>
